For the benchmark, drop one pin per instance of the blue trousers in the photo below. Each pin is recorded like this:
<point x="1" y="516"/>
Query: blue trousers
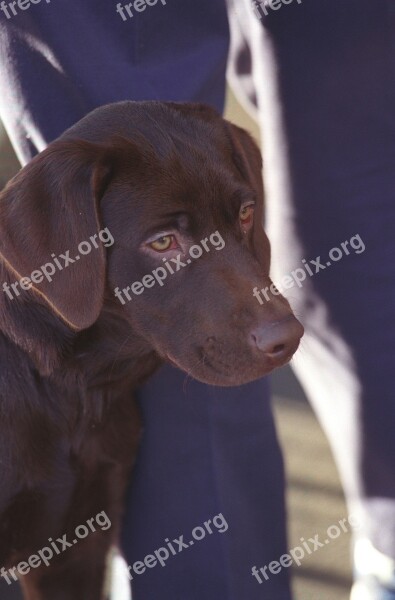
<point x="321" y="75"/>
<point x="205" y="450"/>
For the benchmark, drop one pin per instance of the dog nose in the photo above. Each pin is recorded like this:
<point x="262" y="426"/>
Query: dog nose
<point x="279" y="340"/>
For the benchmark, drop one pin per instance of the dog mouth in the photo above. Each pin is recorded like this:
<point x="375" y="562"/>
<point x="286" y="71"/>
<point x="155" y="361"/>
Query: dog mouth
<point x="214" y="369"/>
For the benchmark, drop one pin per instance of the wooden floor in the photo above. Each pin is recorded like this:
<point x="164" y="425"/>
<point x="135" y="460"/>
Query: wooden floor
<point x="315" y="499"/>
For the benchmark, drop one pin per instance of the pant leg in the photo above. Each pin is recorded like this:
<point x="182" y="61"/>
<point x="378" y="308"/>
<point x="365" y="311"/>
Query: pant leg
<point x="62" y="60"/>
<point x="207" y="451"/>
<point x="210" y="450"/>
<point x="325" y="86"/>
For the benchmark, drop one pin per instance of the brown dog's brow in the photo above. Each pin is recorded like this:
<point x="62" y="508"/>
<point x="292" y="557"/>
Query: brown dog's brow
<point x="171" y="220"/>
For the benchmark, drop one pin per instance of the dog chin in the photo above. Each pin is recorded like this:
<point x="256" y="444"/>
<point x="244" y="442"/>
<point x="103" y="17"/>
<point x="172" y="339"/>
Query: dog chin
<point x="226" y="380"/>
<point x="211" y="374"/>
<point x="222" y="379"/>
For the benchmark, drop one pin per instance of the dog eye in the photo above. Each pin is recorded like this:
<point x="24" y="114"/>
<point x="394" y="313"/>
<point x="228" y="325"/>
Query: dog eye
<point x="246" y="215"/>
<point x="164" y="243"/>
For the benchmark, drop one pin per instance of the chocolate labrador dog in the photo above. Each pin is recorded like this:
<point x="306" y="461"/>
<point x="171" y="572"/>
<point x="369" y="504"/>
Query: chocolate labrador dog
<point x="133" y="239"/>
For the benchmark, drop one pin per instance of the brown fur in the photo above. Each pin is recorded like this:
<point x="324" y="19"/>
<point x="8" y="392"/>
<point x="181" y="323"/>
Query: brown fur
<point x="71" y="354"/>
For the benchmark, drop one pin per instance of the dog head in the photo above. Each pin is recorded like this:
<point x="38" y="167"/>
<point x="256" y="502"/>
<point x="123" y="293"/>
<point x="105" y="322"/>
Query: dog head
<point x="157" y="208"/>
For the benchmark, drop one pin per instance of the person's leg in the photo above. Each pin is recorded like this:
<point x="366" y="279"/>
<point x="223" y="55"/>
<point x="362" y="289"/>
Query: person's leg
<point x="324" y="77"/>
<point x="61" y="60"/>
<point x="205" y="450"/>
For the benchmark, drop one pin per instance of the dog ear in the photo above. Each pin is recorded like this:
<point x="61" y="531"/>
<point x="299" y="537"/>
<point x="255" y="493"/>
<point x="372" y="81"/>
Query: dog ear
<point x="246" y="155"/>
<point x="248" y="160"/>
<point x="47" y="210"/>
<point x="245" y="152"/>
